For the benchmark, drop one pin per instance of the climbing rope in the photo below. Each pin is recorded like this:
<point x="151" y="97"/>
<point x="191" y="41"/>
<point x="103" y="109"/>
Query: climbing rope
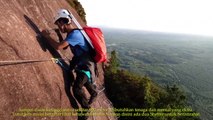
<point x="54" y="60"/>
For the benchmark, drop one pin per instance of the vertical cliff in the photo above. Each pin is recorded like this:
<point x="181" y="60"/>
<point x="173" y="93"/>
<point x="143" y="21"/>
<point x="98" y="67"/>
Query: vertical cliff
<point x="40" y="83"/>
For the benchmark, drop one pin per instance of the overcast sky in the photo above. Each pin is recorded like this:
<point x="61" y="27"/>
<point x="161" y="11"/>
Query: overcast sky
<point x="178" y="16"/>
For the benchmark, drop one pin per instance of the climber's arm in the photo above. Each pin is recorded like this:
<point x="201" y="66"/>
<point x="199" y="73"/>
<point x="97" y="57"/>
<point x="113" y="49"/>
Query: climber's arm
<point x="52" y="42"/>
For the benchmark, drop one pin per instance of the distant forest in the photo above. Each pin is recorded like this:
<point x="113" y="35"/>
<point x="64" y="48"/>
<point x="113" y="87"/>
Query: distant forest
<point x="167" y="59"/>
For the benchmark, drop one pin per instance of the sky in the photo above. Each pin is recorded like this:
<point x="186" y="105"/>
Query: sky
<point x="176" y="16"/>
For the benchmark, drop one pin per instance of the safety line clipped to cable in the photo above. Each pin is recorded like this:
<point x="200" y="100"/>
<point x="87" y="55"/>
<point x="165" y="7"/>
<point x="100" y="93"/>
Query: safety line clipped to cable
<point x="58" y="61"/>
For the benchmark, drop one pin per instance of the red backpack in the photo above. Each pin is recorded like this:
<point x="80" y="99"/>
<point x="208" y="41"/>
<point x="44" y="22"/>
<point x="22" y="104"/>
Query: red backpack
<point x="97" y="40"/>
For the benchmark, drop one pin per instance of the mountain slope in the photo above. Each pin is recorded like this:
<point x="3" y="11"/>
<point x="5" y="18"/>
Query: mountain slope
<point x="33" y="85"/>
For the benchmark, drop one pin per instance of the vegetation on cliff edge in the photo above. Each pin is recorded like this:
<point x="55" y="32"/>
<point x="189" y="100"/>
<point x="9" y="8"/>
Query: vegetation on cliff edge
<point x="129" y="90"/>
<point x="78" y="7"/>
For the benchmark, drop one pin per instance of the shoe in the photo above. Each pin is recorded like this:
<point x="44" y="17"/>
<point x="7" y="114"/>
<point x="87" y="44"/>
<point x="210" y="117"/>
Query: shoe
<point x="83" y="117"/>
<point x="92" y="98"/>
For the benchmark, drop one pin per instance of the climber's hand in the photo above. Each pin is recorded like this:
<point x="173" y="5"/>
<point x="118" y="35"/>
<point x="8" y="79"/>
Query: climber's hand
<point x="45" y="33"/>
<point x="48" y="34"/>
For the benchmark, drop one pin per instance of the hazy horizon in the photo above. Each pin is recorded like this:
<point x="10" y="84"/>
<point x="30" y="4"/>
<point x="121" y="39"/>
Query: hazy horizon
<point x="152" y="31"/>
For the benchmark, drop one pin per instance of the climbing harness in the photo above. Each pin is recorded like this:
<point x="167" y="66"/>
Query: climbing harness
<point x="88" y="74"/>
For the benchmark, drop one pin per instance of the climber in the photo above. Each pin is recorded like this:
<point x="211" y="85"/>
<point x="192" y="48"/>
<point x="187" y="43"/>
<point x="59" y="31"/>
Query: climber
<point x="81" y="62"/>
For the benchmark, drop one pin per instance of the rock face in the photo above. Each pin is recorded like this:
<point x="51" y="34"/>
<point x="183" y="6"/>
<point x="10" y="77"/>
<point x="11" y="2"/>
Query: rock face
<point x="38" y="84"/>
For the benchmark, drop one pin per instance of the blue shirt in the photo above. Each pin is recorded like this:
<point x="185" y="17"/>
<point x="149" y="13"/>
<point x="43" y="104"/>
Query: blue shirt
<point x="77" y="43"/>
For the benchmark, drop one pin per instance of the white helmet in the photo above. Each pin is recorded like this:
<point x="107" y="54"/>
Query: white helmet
<point x="63" y="13"/>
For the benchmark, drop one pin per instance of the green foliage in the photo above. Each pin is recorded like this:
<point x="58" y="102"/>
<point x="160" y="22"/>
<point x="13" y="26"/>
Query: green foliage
<point x="79" y="8"/>
<point x="175" y="98"/>
<point x="128" y="90"/>
<point x="114" y="64"/>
